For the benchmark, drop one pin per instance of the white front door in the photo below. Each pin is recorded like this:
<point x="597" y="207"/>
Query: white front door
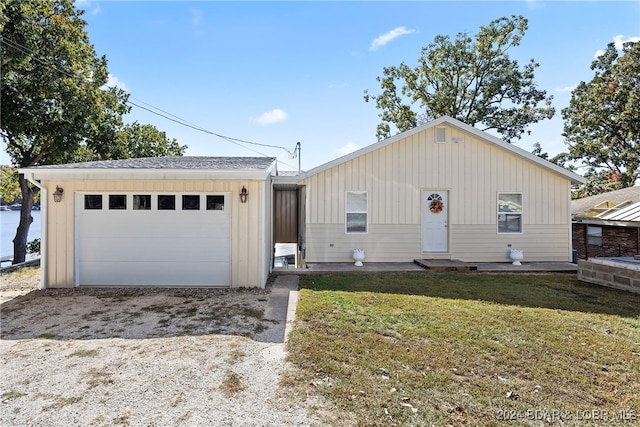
<point x="435" y="215"/>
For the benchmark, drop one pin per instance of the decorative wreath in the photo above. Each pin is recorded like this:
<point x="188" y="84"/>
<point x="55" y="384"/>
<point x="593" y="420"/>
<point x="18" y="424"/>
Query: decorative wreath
<point x="436" y="206"/>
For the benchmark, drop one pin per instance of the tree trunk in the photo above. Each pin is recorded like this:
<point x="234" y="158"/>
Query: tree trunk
<point x="22" y="233"/>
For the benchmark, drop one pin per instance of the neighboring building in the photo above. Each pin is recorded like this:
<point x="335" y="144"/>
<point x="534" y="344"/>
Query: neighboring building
<point x="607" y="225"/>
<point x="441" y="190"/>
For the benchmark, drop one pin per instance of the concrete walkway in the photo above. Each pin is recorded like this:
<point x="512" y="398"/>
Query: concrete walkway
<point x="281" y="309"/>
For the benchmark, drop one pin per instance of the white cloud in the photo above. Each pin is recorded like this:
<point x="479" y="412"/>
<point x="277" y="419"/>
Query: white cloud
<point x="618" y="41"/>
<point x="114" y="81"/>
<point x="383" y="39"/>
<point x="270" y="117"/>
<point x="349" y="147"/>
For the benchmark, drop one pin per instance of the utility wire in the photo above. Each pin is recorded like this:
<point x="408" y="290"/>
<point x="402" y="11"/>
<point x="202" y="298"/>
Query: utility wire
<point x="155" y="110"/>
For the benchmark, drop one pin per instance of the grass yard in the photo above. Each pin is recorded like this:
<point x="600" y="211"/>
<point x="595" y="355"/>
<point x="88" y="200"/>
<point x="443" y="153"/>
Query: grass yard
<point x="467" y="349"/>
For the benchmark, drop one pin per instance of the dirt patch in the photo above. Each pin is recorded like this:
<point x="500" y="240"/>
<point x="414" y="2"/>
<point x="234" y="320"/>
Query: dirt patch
<point x="139" y="357"/>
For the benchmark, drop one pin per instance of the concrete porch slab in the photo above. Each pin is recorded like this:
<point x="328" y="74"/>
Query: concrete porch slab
<point x="412" y="267"/>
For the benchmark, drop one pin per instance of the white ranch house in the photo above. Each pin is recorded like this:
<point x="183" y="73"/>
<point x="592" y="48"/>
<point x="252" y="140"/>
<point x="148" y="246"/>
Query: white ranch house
<point x="443" y="190"/>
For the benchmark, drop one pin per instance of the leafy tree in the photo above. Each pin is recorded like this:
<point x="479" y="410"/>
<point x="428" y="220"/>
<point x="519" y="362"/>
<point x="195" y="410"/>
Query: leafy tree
<point x="133" y="140"/>
<point x="9" y="187"/>
<point x="475" y="82"/>
<point x="136" y="140"/>
<point x="598" y="182"/>
<point x="559" y="159"/>
<point x="51" y="92"/>
<point x="55" y="107"/>
<point x="602" y="121"/>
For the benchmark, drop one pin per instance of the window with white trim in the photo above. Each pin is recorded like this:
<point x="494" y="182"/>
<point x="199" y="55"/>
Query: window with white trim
<point x="356" y="212"/>
<point x="509" y="212"/>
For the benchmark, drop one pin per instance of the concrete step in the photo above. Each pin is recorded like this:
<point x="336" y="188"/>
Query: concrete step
<point x="445" y="265"/>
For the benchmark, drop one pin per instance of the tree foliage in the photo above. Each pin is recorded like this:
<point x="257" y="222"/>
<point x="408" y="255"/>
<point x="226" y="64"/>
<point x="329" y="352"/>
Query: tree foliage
<point x="137" y="140"/>
<point x="56" y="107"/>
<point x="473" y="81"/>
<point x="9" y="187"/>
<point x="602" y="121"/>
<point x="52" y="85"/>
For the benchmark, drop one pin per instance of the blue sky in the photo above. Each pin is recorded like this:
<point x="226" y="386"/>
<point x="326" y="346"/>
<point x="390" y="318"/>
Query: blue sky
<point x="276" y="73"/>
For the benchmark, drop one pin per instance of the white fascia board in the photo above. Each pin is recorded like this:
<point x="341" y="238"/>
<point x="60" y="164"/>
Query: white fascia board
<point x="148" y="174"/>
<point x="286" y="180"/>
<point x="575" y="178"/>
<point x="272" y="170"/>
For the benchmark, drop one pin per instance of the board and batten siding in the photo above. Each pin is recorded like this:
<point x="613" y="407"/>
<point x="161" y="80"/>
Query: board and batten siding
<point x="472" y="170"/>
<point x="249" y="228"/>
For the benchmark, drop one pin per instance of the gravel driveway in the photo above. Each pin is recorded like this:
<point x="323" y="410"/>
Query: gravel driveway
<point x="140" y="357"/>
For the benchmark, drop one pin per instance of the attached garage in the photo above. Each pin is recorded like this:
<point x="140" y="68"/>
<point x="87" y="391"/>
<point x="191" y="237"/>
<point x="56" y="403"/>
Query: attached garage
<point x="153" y="239"/>
<point x="165" y="221"/>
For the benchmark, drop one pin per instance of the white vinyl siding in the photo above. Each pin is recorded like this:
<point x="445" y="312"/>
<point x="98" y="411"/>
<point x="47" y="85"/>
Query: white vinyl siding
<point x="473" y="171"/>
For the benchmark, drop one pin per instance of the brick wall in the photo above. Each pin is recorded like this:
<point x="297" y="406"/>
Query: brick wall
<point x="616" y="242"/>
<point x="610" y="273"/>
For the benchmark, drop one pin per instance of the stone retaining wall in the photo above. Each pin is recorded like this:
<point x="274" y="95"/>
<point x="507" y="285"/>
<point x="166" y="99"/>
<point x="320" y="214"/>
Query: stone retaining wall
<point x="619" y="275"/>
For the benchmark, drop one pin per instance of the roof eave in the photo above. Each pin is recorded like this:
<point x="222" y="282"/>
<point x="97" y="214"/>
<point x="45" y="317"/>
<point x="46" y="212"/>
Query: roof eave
<point x="149" y="174"/>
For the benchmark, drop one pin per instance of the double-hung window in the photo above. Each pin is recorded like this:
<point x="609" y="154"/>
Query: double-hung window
<point x="509" y="212"/>
<point x="357" y="212"/>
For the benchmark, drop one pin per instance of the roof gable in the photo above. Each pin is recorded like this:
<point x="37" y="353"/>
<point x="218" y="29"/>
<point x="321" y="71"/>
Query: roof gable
<point x="573" y="177"/>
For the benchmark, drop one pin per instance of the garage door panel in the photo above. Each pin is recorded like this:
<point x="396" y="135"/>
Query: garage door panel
<point x="213" y="230"/>
<point x="153" y="274"/>
<point x="154" y="249"/>
<point x="147" y="248"/>
<point x="138" y="226"/>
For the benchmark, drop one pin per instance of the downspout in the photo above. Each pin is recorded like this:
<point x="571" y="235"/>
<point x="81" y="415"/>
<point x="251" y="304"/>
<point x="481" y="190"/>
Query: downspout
<point x="262" y="236"/>
<point x="570" y="226"/>
<point x="43" y="229"/>
<point x="272" y="217"/>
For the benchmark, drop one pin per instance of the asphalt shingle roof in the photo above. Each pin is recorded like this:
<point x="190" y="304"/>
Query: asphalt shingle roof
<point x="174" y="162"/>
<point x="632" y="194"/>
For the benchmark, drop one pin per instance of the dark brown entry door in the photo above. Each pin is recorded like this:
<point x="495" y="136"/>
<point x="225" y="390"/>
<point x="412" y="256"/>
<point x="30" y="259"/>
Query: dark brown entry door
<point x="285" y="214"/>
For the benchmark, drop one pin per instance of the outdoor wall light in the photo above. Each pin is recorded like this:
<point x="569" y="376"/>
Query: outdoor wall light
<point x="243" y="195"/>
<point x="57" y="195"/>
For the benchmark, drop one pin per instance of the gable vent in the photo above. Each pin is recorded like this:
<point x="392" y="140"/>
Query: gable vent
<point x="441" y="135"/>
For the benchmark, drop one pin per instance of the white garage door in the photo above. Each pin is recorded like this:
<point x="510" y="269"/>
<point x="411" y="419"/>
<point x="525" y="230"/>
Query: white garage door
<point x="151" y="239"/>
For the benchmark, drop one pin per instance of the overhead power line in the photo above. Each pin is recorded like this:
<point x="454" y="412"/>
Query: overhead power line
<point x="158" y="111"/>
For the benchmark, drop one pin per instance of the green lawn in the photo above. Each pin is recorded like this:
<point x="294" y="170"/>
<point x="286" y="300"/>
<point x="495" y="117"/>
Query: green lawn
<point x="467" y="349"/>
